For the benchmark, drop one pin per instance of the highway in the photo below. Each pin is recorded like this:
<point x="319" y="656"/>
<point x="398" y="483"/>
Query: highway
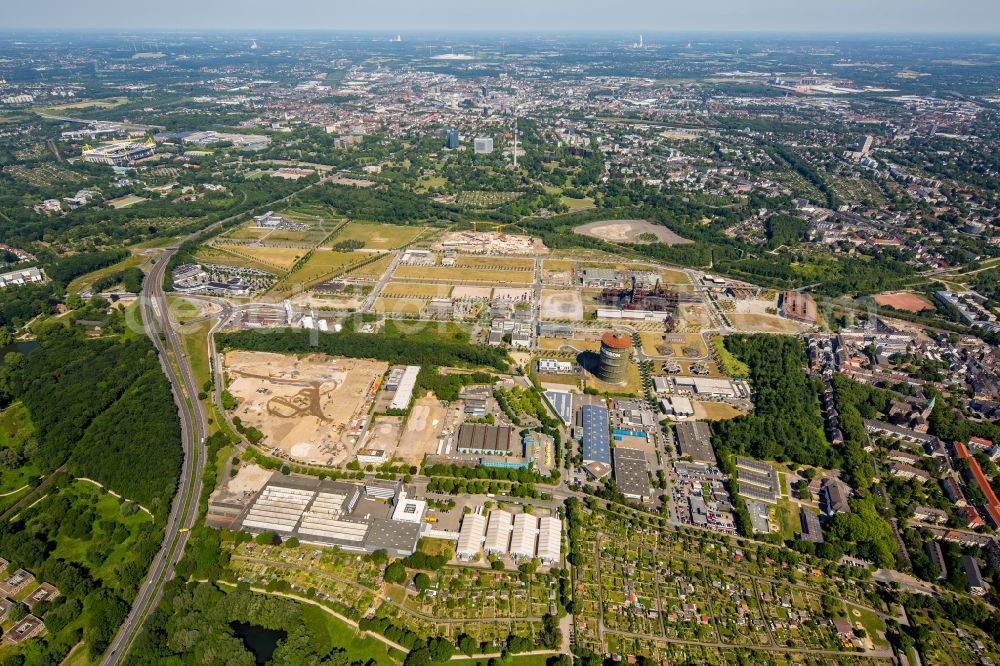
<point x="194" y="429"/>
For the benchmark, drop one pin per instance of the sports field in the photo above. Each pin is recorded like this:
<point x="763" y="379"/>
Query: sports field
<point x="904" y="301"/>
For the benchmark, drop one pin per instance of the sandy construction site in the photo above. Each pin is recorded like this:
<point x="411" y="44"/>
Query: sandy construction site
<point x="427" y="422"/>
<point x="490" y="242"/>
<point x="562" y="304"/>
<point x="631" y="231"/>
<point x="310" y="408"/>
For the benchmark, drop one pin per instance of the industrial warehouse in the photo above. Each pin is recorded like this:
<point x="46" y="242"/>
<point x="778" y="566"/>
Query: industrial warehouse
<point x="335" y="513"/>
<point x="523" y="536"/>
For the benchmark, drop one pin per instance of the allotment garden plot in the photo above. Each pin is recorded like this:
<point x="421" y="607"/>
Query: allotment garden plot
<point x="652" y="590"/>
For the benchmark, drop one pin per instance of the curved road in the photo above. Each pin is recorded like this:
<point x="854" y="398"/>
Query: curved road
<point x="194" y="429"/>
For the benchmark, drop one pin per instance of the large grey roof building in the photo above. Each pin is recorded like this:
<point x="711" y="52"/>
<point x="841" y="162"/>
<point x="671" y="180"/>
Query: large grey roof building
<point x="695" y="440"/>
<point x="328" y="513"/>
<point x="631" y="475"/>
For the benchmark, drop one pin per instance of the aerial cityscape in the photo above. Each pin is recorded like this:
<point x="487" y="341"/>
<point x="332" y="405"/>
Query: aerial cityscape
<point x="502" y="343"/>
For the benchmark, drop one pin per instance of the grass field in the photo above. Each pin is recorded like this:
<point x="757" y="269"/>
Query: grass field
<point x="553" y="344"/>
<point x="373" y="270"/>
<point x="731" y="365"/>
<point x="377" y="236"/>
<point x="84" y="282"/>
<point x="194" y="337"/>
<point x="450" y="274"/>
<point x="558" y="264"/>
<point x="78" y="656"/>
<point x="715" y="411"/>
<point x="871" y="622"/>
<point x="211" y="255"/>
<point x="511" y="660"/>
<point x="107" y="508"/>
<point x="670" y="276"/>
<point x="416" y="290"/>
<point x="249" y="231"/>
<point x="126" y="201"/>
<point x="788" y="519"/>
<point x="577" y="204"/>
<point x="434" y="331"/>
<point x="402" y="306"/>
<point x="341" y="635"/>
<point x="15" y="429"/>
<point x="319" y="265"/>
<point x="515" y="263"/>
<point x="280" y="258"/>
<point x="106" y="103"/>
<point x="14" y="117"/>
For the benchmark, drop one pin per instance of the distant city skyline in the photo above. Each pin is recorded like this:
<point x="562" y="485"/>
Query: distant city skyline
<point x="843" y="16"/>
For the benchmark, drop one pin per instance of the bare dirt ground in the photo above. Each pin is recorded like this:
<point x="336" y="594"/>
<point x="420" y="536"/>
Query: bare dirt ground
<point x="311" y="300"/>
<point x="465" y="291"/>
<point x="904" y="301"/>
<point x="693" y="318"/>
<point x="629" y="231"/>
<point x="562" y="304"/>
<point x="249" y="479"/>
<point x="714" y="411"/>
<point x="754" y="305"/>
<point x="383" y="434"/>
<point x="311" y="408"/>
<point x="491" y="242"/>
<point x="423" y="430"/>
<point x="765" y="323"/>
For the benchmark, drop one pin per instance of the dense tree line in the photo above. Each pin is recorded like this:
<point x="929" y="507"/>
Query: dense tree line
<point x="784" y="230"/>
<point x="391" y="348"/>
<point x="198" y="623"/>
<point x="786" y="423"/>
<point x="130" y="279"/>
<point x="856" y="402"/>
<point x="391" y="204"/>
<point x="104" y="407"/>
<point x="76" y="265"/>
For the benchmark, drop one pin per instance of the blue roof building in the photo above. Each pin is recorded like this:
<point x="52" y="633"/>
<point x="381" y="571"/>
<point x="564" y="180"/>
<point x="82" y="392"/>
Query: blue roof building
<point x="596" y="443"/>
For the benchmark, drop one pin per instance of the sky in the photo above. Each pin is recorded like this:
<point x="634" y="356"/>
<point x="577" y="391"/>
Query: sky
<point x="650" y="16"/>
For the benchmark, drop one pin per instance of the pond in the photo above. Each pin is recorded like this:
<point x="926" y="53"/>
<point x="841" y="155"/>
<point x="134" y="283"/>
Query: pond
<point x="25" y="347"/>
<point x="259" y="640"/>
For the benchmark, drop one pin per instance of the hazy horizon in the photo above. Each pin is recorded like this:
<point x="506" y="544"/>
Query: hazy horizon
<point x="863" y="17"/>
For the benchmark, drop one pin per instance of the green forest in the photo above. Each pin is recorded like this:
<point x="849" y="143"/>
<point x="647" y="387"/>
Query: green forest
<point x="198" y="623"/>
<point x="103" y="408"/>
<point x="393" y="348"/>
<point x="95" y="549"/>
<point x="786" y="424"/>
